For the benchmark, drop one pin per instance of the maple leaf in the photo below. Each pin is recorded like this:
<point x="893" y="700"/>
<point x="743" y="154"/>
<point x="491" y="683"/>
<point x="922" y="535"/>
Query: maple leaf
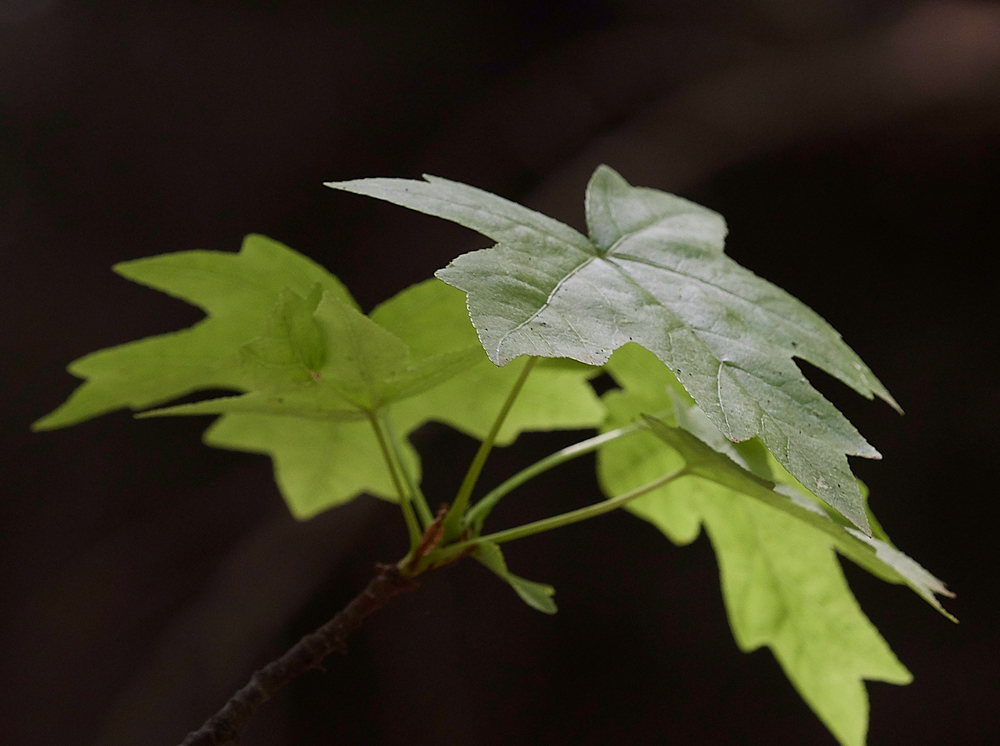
<point x="653" y="272"/>
<point x="237" y="292"/>
<point x="781" y="582"/>
<point x="313" y="369"/>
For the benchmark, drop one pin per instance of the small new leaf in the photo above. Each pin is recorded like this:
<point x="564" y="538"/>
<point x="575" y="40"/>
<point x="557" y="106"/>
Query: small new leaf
<point x="537" y="595"/>
<point x="653" y="272"/>
<point x="290" y="349"/>
<point x="366" y="368"/>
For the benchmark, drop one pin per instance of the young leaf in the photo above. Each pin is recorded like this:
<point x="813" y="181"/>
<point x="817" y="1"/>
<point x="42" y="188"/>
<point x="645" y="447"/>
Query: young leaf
<point x="781" y="582"/>
<point x="370" y="366"/>
<point x="285" y="331"/>
<point x="653" y="272"/>
<point x="536" y="595"/>
<point x="290" y="349"/>
<point x="283" y="367"/>
<point x="237" y="291"/>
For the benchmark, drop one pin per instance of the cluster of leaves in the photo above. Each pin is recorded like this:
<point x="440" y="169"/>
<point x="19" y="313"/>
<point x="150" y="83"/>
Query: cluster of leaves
<point x="712" y="425"/>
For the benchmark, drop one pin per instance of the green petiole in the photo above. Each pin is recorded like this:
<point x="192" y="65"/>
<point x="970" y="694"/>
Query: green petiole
<point x="480" y="511"/>
<point x="453" y="521"/>
<point x="412" y="527"/>
<point x="413" y="488"/>
<point x="557" y="521"/>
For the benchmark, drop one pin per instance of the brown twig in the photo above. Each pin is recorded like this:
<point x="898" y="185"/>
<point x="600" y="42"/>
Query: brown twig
<point x="307" y="653"/>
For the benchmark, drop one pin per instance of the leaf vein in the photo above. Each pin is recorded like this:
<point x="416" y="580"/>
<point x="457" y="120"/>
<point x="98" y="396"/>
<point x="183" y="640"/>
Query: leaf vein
<point x="548" y="302"/>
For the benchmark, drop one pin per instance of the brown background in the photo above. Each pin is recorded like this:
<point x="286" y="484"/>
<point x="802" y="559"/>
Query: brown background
<point x="853" y="147"/>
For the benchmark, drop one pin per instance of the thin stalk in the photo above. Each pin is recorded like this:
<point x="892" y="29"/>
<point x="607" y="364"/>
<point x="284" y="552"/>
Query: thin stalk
<point x="423" y="510"/>
<point x="452" y="523"/>
<point x="412" y="527"/>
<point x="565" y="519"/>
<point x="479" y="512"/>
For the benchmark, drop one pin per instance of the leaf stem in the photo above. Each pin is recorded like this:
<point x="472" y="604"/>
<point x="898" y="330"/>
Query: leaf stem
<point x="481" y="510"/>
<point x="565" y="519"/>
<point x="412" y="527"/>
<point x="452" y="523"/>
<point x="417" y="495"/>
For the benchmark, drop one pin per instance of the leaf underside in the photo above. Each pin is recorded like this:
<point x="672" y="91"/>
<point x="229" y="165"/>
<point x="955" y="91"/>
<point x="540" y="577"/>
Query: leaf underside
<point x="653" y="272"/>
<point x="781" y="582"/>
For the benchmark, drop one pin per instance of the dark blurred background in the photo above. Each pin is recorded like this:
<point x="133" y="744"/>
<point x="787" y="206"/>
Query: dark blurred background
<point x="854" y="148"/>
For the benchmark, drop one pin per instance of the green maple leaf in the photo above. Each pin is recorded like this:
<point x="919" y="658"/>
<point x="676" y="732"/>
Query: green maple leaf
<point x="653" y="272"/>
<point x="254" y="339"/>
<point x="237" y="292"/>
<point x="313" y="370"/>
<point x="782" y="584"/>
